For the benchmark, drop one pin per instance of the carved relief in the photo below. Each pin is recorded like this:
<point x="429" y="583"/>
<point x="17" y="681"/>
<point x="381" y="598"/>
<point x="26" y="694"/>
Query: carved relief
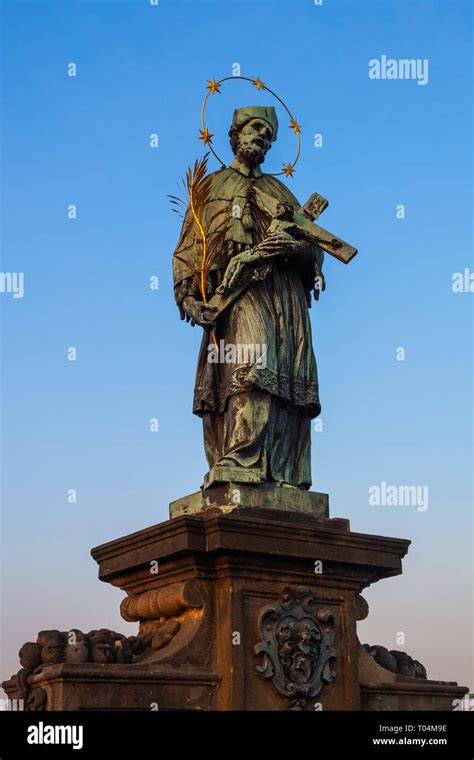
<point x="101" y="646"/>
<point x="31" y="698"/>
<point x="395" y="661"/>
<point x="296" y="645"/>
<point x="315" y="205"/>
<point x="161" y="613"/>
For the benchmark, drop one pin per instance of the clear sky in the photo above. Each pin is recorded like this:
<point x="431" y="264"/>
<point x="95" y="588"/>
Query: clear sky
<point x="85" y="424"/>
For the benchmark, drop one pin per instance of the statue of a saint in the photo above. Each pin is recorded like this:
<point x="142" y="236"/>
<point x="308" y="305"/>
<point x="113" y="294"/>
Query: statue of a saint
<point x="256" y="384"/>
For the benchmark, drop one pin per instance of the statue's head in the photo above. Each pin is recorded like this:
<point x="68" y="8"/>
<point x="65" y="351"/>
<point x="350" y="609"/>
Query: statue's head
<point x="285" y="211"/>
<point x="252" y="132"/>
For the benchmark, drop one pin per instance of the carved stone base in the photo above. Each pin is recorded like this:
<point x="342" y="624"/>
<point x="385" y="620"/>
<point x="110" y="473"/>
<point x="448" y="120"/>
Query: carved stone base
<point x="251" y="610"/>
<point x="234" y="495"/>
<point x="382" y="690"/>
<point x="92" y="686"/>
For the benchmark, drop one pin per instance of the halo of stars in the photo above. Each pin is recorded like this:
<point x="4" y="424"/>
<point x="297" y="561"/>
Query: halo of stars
<point x="214" y="87"/>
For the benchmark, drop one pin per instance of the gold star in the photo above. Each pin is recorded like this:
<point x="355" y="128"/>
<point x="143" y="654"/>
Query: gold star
<point x="295" y="126"/>
<point x="213" y="86"/>
<point x="205" y="136"/>
<point x="258" y="83"/>
<point x="288" y="169"/>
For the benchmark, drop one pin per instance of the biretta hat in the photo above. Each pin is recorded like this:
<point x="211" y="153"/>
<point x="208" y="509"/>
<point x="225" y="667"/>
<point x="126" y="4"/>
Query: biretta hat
<point x="267" y="113"/>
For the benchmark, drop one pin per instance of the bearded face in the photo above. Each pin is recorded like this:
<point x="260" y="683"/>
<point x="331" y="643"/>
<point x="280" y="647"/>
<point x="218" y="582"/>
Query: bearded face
<point x="252" y="142"/>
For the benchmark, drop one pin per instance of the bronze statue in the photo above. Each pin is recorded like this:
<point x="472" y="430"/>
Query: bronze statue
<point x="256" y="385"/>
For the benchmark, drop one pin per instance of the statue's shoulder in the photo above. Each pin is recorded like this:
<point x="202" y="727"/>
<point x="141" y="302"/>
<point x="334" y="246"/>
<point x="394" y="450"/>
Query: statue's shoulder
<point x="227" y="184"/>
<point x="224" y="182"/>
<point x="273" y="186"/>
<point x="223" y="173"/>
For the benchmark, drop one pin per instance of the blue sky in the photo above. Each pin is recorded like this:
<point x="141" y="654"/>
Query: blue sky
<point x="84" y="425"/>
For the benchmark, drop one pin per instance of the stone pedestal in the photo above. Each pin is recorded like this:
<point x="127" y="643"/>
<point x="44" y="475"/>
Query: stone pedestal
<point x="242" y="562"/>
<point x="251" y="609"/>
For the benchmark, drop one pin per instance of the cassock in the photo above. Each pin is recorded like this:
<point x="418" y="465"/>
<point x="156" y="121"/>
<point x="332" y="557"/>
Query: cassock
<point x="256" y="414"/>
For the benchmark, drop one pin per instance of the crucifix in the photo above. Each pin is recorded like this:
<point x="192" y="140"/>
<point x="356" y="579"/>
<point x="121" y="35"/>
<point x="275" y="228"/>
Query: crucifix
<point x="300" y="224"/>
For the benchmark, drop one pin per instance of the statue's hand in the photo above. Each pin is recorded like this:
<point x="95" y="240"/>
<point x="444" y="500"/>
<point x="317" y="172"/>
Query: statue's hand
<point x="199" y="313"/>
<point x="278" y="243"/>
<point x="319" y="281"/>
<point x="235" y="268"/>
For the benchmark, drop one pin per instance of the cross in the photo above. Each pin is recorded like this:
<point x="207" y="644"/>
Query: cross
<point x="301" y="225"/>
